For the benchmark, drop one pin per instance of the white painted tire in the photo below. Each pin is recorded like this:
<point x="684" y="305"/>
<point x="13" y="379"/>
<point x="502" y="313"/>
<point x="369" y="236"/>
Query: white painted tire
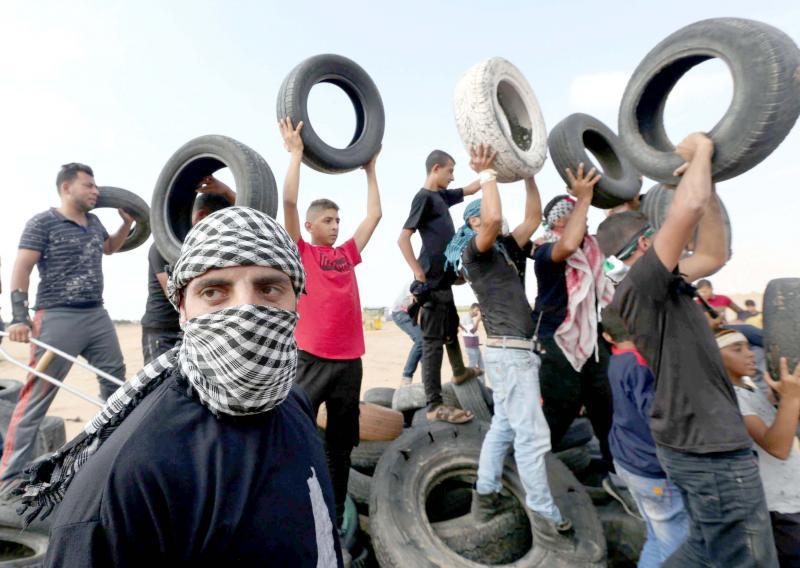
<point x="495" y="105"/>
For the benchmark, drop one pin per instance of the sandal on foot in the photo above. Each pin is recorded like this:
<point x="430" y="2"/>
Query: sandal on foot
<point x="469" y="373"/>
<point x="449" y="414"/>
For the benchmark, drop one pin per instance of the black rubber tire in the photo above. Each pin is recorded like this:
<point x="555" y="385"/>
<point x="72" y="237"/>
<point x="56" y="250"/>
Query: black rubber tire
<point x="118" y="198"/>
<point x="655" y="205"/>
<point x="359" y="486"/>
<point x="14" y="542"/>
<point x="51" y="436"/>
<point x="576" y="459"/>
<point x="422" y="458"/>
<point x="358" y="85"/>
<point x="409" y="397"/>
<point x="781" y="309"/>
<point x="10" y="389"/>
<point x="501" y="540"/>
<point x="420" y="418"/>
<point x="579" y="433"/>
<point x="449" y="397"/>
<point x="569" y="141"/>
<point x="763" y="62"/>
<point x="470" y="397"/>
<point x="365" y="455"/>
<point x="174" y="194"/>
<point x="382" y="396"/>
<point x="625" y="535"/>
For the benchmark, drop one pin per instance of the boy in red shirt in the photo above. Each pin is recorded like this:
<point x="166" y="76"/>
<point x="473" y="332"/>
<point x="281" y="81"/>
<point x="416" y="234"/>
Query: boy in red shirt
<point x="329" y="333"/>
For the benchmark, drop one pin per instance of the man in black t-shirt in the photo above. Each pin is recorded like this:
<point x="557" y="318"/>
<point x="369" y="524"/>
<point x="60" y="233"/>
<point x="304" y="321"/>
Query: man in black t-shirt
<point x="701" y="440"/>
<point x="66" y="245"/>
<point x="160" y="328"/>
<point x="430" y="215"/>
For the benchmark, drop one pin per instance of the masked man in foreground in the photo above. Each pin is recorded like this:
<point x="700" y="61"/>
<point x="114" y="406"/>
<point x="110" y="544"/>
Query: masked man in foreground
<point x="207" y="456"/>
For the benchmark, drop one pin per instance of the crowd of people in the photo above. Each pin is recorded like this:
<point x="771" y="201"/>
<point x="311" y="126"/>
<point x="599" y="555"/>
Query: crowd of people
<point x="213" y="443"/>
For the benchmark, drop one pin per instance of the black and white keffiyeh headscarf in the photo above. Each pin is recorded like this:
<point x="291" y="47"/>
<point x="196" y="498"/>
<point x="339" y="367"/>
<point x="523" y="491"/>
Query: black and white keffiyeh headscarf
<point x="560" y="206"/>
<point x="238" y="361"/>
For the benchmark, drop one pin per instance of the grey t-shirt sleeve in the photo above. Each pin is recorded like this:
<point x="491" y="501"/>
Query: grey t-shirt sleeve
<point x="35" y="235"/>
<point x="650" y="277"/>
<point x="100" y="226"/>
<point x="748" y="402"/>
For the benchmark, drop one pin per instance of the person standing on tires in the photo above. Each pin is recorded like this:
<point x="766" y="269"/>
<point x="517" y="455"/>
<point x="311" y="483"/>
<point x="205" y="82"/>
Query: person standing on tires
<point x="401" y="318"/>
<point x="160" y="326"/>
<point x="66" y="244"/>
<point x="330" y="333"/>
<point x="701" y="440"/>
<point x="482" y="254"/>
<point x="208" y="455"/>
<point x="571" y="288"/>
<point x="430" y="216"/>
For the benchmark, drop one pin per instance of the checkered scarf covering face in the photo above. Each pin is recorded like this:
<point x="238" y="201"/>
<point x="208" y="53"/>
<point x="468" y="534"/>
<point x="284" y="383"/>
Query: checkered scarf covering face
<point x="563" y="207"/>
<point x="239" y="360"/>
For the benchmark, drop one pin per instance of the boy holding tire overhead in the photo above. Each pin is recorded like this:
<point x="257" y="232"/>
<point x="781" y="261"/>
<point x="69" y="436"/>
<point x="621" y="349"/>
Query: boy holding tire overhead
<point x="484" y="256"/>
<point x="432" y="284"/>
<point x="329" y="333"/>
<point x="66" y="244"/>
<point x="701" y="440"/>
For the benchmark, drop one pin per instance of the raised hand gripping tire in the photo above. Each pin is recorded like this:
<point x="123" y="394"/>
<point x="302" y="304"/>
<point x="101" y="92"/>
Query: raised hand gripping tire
<point x="782" y="323"/>
<point x="424" y="458"/>
<point x="569" y="141"/>
<point x="656" y="202"/>
<point x="173" y="197"/>
<point x="764" y="64"/>
<point x="359" y="86"/>
<point x="118" y="198"/>
<point x="382" y="396"/>
<point x="495" y="105"/>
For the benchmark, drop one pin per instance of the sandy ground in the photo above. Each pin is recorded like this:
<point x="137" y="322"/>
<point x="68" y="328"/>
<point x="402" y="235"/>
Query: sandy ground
<point x="387" y="349"/>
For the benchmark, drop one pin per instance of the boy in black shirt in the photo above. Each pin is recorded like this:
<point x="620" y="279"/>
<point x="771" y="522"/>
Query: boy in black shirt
<point x="439" y="319"/>
<point x="701" y="440"/>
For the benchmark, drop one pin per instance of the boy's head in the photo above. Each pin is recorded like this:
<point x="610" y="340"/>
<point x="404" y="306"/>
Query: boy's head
<point x="614" y="330"/>
<point x="750" y="306"/>
<point x="626" y="236"/>
<point x="322" y="222"/>
<point x="475" y="310"/>
<point x="705" y="289"/>
<point x="739" y="361"/>
<point x="205" y="204"/>
<point x="439" y="168"/>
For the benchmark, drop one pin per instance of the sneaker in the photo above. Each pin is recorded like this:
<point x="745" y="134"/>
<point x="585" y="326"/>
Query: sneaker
<point x="486" y="507"/>
<point x="620" y="496"/>
<point x="405" y="381"/>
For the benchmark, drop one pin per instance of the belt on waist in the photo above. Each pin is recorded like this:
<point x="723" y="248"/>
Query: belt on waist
<point x="510" y="343"/>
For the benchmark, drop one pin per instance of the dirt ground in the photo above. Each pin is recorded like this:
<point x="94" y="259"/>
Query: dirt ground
<point x="387" y="349"/>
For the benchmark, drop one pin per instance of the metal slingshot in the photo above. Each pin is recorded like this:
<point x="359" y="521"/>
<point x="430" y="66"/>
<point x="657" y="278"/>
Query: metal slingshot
<point x="44" y="362"/>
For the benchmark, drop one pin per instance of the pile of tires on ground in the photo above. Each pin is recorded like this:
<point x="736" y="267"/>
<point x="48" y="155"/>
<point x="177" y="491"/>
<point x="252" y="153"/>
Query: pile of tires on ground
<point x="410" y="491"/>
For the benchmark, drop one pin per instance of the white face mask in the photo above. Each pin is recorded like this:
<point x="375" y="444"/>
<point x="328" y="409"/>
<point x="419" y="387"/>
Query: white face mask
<point x="615" y="270"/>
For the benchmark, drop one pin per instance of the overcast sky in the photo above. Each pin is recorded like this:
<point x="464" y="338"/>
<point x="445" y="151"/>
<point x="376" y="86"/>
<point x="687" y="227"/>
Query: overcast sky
<point x="121" y="86"/>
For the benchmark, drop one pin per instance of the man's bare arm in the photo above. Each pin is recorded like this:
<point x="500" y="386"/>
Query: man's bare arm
<point x="404" y="242"/>
<point x="162" y="279"/>
<point x="374" y="213"/>
<point x="291" y="184"/>
<point x="114" y="242"/>
<point x="20" y="280"/>
<point x="582" y="188"/>
<point x="472" y="188"/>
<point x="482" y="158"/>
<point x="690" y="201"/>
<point x="711" y="251"/>
<point x="533" y="214"/>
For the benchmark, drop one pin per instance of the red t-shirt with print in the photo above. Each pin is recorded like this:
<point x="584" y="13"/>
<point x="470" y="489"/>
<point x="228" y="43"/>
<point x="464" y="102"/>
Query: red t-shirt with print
<point x="330" y="310"/>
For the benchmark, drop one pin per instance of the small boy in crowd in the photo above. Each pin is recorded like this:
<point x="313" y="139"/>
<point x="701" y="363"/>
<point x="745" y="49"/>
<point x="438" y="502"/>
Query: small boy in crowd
<point x="633" y="447"/>
<point x="774" y="432"/>
<point x="469" y="326"/>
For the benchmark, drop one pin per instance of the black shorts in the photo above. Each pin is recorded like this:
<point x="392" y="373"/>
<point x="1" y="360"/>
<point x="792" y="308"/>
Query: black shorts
<point x="337" y="383"/>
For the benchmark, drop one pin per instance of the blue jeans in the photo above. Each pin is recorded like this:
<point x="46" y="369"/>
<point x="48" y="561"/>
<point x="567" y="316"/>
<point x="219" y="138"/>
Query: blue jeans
<point x="474" y="357"/>
<point x="518" y="419"/>
<point x="404" y="322"/>
<point x="661" y="505"/>
<point x="729" y="524"/>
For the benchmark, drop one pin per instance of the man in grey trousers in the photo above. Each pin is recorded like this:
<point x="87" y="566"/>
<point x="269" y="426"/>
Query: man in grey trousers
<point x="66" y="244"/>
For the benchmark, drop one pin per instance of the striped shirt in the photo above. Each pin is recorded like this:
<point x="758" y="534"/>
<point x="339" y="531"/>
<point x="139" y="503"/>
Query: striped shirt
<point x="71" y="262"/>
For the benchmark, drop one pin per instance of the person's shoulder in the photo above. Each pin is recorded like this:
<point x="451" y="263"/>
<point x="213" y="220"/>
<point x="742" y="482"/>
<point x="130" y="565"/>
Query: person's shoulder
<point x="44" y="218"/>
<point x="542" y="252"/>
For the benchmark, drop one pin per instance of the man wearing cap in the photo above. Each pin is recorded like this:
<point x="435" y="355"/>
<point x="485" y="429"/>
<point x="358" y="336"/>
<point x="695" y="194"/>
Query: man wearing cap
<point x="701" y="439"/>
<point x="207" y="456"/>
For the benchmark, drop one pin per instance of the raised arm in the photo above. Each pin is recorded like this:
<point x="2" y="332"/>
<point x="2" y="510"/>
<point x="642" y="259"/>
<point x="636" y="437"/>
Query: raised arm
<point x="291" y="185"/>
<point x="404" y="242"/>
<point x="114" y="242"/>
<point x="210" y="184"/>
<point x="533" y="213"/>
<point x="711" y="251"/>
<point x="367" y="227"/>
<point x="582" y="188"/>
<point x="20" y="327"/>
<point x="481" y="161"/>
<point x="779" y="438"/>
<point x="690" y="201"/>
<point x="472" y="188"/>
